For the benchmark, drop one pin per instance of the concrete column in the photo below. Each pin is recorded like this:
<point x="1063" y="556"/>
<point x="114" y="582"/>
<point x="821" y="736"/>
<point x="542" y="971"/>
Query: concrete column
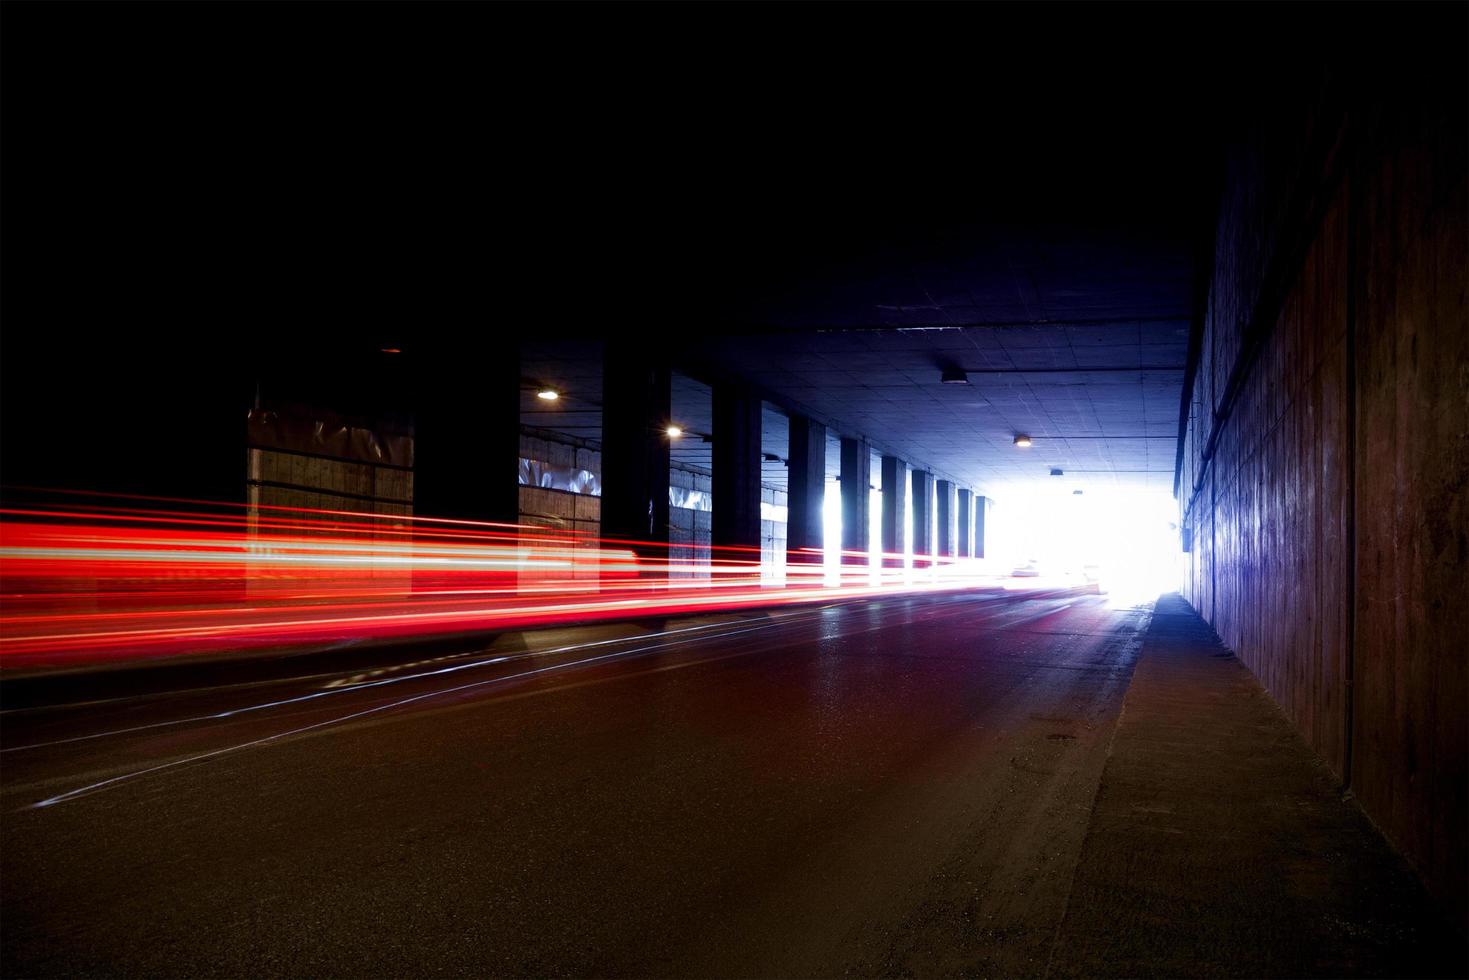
<point x="856" y="477"/>
<point x="894" y="520"/>
<point x="966" y="523"/>
<point x="736" y="481"/>
<point x="466" y="438"/>
<point x="806" y="493"/>
<point x="981" y="521"/>
<point x="945" y="508"/>
<point x="922" y="518"/>
<point x="635" y="407"/>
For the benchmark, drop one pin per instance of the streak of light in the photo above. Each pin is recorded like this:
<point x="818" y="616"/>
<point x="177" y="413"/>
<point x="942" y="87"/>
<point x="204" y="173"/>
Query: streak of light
<point x="140" y="578"/>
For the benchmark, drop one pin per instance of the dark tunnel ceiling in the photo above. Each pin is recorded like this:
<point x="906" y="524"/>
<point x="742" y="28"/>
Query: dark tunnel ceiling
<point x="1008" y="164"/>
<point x="1055" y="268"/>
<point x="1100" y="401"/>
<point x="1074" y="332"/>
<point x="776" y="207"/>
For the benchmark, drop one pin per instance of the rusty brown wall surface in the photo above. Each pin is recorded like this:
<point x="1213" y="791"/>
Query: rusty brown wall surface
<point x="1280" y="510"/>
<point x="1325" y="465"/>
<point x="1412" y="567"/>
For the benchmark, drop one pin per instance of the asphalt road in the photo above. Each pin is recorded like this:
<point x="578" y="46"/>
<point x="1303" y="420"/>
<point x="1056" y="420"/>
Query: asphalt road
<point x="897" y="786"/>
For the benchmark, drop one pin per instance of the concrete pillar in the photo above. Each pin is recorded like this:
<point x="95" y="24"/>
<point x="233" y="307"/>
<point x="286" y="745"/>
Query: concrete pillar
<point x="806" y="495"/>
<point x="981" y="521"/>
<point x="636" y="396"/>
<point x="922" y="518"/>
<point x="466" y="438"/>
<point x="945" y="509"/>
<point x="466" y="443"/>
<point x="966" y="523"/>
<point x="856" y="477"/>
<point x="894" y="520"/>
<point x="736" y="481"/>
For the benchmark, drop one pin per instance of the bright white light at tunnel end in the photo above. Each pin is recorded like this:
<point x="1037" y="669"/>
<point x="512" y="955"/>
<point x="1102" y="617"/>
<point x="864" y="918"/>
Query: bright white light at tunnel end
<point x="1117" y="540"/>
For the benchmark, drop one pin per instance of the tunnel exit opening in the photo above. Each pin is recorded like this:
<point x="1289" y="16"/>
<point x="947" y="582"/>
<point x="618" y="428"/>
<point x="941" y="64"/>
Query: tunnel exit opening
<point x="1124" y="541"/>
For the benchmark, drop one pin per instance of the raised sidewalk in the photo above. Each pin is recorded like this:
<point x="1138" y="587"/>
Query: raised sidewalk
<point x="1220" y="845"/>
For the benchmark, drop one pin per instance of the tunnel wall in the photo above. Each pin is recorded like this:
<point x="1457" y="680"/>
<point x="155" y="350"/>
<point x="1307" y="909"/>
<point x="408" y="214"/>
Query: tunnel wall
<point x="1325" y="458"/>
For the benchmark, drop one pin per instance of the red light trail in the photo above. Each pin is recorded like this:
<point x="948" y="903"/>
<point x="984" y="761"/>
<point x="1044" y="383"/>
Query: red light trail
<point x="156" y="578"/>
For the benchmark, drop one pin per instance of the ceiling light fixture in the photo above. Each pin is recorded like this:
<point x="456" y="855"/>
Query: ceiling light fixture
<point x="392" y="350"/>
<point x="1056" y="472"/>
<point x="954" y="376"/>
<point x="673" y="432"/>
<point x="548" y="394"/>
<point x="1023" y="441"/>
<point x="1076" y="493"/>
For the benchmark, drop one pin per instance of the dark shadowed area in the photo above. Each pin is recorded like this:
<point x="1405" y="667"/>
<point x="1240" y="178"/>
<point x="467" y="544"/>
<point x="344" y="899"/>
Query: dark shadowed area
<point x="868" y="373"/>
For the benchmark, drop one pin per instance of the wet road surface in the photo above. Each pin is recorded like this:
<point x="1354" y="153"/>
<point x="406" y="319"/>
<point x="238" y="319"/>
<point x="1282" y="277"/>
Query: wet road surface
<point x="896" y="786"/>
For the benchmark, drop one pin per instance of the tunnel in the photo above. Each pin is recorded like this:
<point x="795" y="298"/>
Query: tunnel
<point x="677" y="490"/>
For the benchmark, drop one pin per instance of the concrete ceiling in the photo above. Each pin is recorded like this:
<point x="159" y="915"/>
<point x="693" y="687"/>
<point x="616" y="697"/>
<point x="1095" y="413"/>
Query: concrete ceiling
<point x="1075" y="336"/>
<point x="839" y="248"/>
<point x="575" y="371"/>
<point x="1099" y="401"/>
<point x="775" y="208"/>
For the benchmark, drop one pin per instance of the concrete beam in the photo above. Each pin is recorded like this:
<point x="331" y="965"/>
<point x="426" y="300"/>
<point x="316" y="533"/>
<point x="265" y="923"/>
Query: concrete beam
<point x="922" y="518"/>
<point x="945" y="508"/>
<point x="636" y="394"/>
<point x="981" y="523"/>
<point x="466" y="453"/>
<point x="806" y="492"/>
<point x="894" y="518"/>
<point x="966" y="523"/>
<point x="856" y="479"/>
<point x="736" y="479"/>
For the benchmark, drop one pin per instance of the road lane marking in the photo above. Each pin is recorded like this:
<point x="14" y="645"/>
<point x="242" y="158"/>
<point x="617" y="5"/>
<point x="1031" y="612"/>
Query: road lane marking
<point x="945" y="607"/>
<point x="200" y="757"/>
<point x="367" y="685"/>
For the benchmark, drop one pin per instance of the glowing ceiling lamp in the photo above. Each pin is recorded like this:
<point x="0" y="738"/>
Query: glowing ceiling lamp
<point x="673" y="432"/>
<point x="1023" y="441"/>
<point x="548" y="394"/>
